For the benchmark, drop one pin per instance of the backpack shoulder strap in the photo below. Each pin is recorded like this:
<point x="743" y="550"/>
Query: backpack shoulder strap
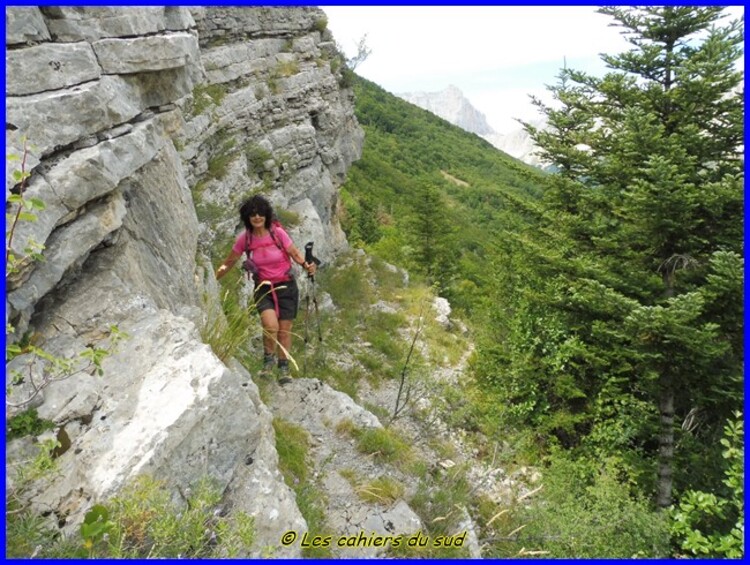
<point x="275" y="236"/>
<point x="278" y="243"/>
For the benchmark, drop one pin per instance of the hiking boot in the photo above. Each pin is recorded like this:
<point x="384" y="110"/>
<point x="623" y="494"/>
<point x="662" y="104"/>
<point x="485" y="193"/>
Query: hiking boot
<point x="269" y="362"/>
<point x="284" y="377"/>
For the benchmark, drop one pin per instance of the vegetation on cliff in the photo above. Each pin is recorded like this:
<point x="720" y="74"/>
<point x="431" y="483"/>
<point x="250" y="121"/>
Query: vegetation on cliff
<point x="606" y="299"/>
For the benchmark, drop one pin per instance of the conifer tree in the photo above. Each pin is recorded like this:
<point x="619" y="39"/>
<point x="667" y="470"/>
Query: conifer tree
<point x="644" y="287"/>
<point x="431" y="229"/>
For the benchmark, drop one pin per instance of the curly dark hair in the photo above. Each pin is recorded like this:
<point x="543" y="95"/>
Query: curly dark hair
<point x="256" y="205"/>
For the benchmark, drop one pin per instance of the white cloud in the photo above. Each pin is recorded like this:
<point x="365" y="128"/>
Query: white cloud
<point x="497" y="55"/>
<point x="423" y="40"/>
<point x="426" y="48"/>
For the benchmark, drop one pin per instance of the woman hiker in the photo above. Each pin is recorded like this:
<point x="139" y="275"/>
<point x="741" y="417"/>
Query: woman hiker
<point x="270" y="253"/>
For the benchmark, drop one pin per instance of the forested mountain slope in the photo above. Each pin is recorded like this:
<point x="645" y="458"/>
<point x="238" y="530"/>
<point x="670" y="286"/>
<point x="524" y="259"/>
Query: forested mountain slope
<point x="605" y="299"/>
<point x="432" y="197"/>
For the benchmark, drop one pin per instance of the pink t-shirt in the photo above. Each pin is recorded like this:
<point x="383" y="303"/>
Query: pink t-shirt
<point x="273" y="263"/>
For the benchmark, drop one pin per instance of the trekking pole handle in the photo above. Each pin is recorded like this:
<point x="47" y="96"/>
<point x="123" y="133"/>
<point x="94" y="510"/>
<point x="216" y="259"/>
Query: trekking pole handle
<point x="309" y="257"/>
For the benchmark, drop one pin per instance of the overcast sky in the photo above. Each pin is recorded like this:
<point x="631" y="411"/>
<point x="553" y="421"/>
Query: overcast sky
<point x="496" y="55"/>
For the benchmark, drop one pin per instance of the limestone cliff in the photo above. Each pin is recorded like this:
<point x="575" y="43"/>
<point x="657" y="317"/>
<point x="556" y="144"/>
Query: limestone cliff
<point x="133" y="118"/>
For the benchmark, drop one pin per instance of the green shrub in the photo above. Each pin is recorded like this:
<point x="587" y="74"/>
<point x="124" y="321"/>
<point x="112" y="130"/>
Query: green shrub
<point x="586" y="511"/>
<point x="382" y="333"/>
<point x="205" y="95"/>
<point x="256" y="157"/>
<point x="143" y="521"/>
<point x="347" y="77"/>
<point x="285" y="69"/>
<point x="27" y="423"/>
<point x="288" y="218"/>
<point x="385" y="444"/>
<point x="439" y="501"/>
<point x="320" y="24"/>
<point x="147" y="523"/>
<point x="375" y="366"/>
<point x="349" y="290"/>
<point x="228" y="325"/>
<point x="273" y="84"/>
<point x="312" y="507"/>
<point x="336" y="63"/>
<point x="217" y="165"/>
<point x="712" y="525"/>
<point x="383" y="490"/>
<point x="26" y="532"/>
<point x="292" y="444"/>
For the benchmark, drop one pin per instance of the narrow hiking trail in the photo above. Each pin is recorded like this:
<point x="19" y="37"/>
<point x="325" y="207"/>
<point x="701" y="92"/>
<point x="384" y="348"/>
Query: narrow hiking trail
<point x="369" y="489"/>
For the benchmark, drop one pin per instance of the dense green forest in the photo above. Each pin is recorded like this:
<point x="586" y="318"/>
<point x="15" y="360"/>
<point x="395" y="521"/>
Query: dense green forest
<point x="606" y="299"/>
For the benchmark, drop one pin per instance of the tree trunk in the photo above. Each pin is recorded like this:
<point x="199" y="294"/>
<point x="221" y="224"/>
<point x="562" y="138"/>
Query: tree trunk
<point x="666" y="416"/>
<point x="666" y="443"/>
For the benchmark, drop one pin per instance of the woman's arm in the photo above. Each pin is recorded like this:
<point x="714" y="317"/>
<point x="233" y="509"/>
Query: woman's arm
<point x="227" y="264"/>
<point x="298" y="258"/>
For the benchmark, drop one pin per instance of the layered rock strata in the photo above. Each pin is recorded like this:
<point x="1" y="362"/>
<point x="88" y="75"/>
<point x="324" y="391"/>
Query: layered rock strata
<point x="128" y="119"/>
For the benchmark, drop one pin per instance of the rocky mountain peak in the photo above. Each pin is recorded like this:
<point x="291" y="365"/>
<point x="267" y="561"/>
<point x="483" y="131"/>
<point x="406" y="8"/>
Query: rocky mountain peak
<point x="451" y="105"/>
<point x="517" y="143"/>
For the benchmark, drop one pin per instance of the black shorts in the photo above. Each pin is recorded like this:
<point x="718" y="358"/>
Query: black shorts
<point x="287" y="299"/>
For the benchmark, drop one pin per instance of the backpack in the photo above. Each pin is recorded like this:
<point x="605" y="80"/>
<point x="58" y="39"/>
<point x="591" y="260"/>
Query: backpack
<point x="249" y="265"/>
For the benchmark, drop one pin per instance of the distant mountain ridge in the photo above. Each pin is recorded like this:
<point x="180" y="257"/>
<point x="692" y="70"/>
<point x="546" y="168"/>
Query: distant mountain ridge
<point x="518" y="144"/>
<point x="451" y="105"/>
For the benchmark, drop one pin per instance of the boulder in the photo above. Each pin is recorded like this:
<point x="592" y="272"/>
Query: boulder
<point x="443" y="309"/>
<point x="258" y="488"/>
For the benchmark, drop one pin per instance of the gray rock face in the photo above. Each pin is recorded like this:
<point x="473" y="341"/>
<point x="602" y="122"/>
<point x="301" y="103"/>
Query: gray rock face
<point x="84" y="176"/>
<point x="284" y="124"/>
<point x="258" y="488"/>
<point x="66" y="65"/>
<point x="71" y="24"/>
<point x="127" y="113"/>
<point x="142" y="54"/>
<point x="25" y="25"/>
<point x="66" y="248"/>
<point x="167" y="407"/>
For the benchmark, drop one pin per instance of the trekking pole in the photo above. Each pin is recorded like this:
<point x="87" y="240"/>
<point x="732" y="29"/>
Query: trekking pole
<point x="306" y="336"/>
<point x="310" y="258"/>
<point x="317" y="312"/>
